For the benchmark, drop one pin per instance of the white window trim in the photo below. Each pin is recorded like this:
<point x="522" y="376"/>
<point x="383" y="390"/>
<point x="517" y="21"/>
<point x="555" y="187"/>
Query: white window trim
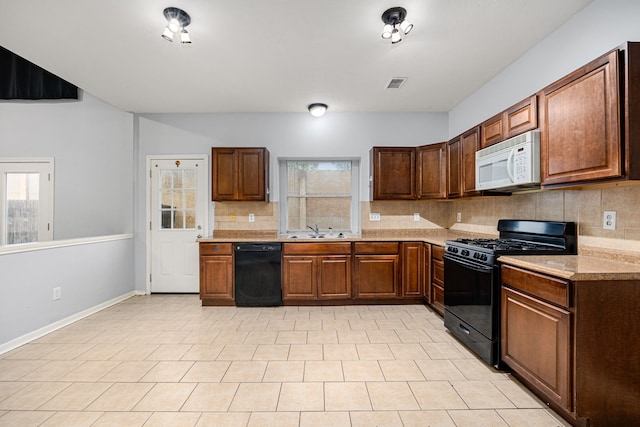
<point x="46" y="165"/>
<point x="355" y="188"/>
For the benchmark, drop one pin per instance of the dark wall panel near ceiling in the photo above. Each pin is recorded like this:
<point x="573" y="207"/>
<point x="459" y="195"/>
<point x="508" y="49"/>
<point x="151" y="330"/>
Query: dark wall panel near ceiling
<point x="21" y="79"/>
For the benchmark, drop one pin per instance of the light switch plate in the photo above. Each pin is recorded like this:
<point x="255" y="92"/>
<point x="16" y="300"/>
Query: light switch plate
<point x="609" y="220"/>
<point x="374" y="217"/>
<point x="459" y="217"/>
<point x="252" y="218"/>
<point x="416" y="217"/>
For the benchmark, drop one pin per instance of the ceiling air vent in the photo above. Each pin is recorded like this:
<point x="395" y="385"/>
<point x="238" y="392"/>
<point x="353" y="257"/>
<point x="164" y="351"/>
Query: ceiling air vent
<point x="396" y="82"/>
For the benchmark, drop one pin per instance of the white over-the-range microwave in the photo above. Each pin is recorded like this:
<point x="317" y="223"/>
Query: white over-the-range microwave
<point x="510" y="165"/>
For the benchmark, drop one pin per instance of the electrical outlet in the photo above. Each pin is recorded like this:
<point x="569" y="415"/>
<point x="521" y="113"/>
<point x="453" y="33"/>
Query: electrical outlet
<point x="459" y="217"/>
<point x="416" y="216"/>
<point x="374" y="217"/>
<point x="57" y="293"/>
<point x="252" y="218"/>
<point x="609" y="220"/>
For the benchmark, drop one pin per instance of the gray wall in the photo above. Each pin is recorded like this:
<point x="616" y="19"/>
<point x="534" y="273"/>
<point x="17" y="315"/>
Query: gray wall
<point x="92" y="145"/>
<point x="596" y="29"/>
<point x="89" y="275"/>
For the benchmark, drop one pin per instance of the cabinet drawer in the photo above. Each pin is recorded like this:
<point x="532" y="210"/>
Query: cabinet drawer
<point x="316" y="249"/>
<point x="216" y="248"/>
<point x="548" y="288"/>
<point x="437" y="303"/>
<point x="378" y="248"/>
<point x="437" y="252"/>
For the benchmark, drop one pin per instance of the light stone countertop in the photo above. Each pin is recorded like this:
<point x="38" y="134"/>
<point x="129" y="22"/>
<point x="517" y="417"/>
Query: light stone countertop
<point x="575" y="267"/>
<point x="434" y="237"/>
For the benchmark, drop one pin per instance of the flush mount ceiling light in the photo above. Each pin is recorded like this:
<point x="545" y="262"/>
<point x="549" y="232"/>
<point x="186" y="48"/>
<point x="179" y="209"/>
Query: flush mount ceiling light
<point x="395" y="24"/>
<point x="317" y="109"/>
<point x="177" y="20"/>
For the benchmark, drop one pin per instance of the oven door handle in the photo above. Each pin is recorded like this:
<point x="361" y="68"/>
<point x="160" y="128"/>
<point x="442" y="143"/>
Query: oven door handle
<point x="474" y="267"/>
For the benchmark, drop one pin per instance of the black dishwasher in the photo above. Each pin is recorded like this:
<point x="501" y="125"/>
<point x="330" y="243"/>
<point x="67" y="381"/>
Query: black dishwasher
<point x="258" y="274"/>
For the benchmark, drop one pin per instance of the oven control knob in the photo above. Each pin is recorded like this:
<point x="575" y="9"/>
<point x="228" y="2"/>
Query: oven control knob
<point x="484" y="257"/>
<point x="465" y="252"/>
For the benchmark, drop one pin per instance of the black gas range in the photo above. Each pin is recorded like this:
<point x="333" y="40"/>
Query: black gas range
<point x="472" y="277"/>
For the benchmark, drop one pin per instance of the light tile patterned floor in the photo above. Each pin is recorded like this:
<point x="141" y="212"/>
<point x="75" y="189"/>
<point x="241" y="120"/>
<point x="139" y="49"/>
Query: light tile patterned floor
<point x="163" y="360"/>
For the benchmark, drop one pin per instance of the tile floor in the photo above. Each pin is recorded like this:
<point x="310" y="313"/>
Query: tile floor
<point x="163" y="360"/>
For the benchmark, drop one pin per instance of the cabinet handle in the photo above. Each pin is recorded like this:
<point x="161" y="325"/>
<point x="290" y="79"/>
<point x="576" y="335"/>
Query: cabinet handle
<point x="463" y="329"/>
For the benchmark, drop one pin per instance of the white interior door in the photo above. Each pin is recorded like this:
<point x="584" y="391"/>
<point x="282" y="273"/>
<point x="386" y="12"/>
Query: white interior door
<point x="177" y="219"/>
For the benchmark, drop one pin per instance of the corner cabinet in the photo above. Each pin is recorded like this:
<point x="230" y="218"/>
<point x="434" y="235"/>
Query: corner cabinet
<point x="393" y="173"/>
<point x="239" y="174"/>
<point x="216" y="273"/>
<point x="573" y="343"/>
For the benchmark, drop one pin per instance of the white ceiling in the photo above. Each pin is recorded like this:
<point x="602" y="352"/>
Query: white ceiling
<point x="278" y="55"/>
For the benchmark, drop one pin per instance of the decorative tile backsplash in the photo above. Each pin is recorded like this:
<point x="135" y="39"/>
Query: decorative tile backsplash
<point x="585" y="206"/>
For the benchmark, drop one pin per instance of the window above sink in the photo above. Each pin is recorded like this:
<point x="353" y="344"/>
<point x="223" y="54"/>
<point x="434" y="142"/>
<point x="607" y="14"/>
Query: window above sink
<point x="319" y="198"/>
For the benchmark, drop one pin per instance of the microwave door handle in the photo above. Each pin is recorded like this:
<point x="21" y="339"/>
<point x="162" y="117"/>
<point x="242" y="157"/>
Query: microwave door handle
<point x="510" y="165"/>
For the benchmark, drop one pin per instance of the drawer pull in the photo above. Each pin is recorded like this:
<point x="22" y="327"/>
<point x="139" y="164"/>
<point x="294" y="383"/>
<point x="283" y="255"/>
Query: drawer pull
<point x="463" y="329"/>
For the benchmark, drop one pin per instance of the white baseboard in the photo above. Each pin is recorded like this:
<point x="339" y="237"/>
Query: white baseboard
<point x="24" y="339"/>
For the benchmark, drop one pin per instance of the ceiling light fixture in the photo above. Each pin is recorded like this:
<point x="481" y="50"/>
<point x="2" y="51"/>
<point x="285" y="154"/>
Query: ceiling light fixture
<point x="395" y="24"/>
<point x="317" y="109"/>
<point x="177" y="20"/>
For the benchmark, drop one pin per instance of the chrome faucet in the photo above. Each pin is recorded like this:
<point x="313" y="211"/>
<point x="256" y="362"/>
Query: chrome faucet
<point x="315" y="230"/>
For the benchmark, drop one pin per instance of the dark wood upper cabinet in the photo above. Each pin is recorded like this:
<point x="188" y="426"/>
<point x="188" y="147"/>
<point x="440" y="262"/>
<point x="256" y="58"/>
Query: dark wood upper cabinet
<point x="431" y="171"/>
<point x="240" y="174"/>
<point x="393" y="173"/>
<point x="580" y="137"/>
<point x="461" y="162"/>
<point x="517" y="119"/>
<point x="469" y="145"/>
<point x="454" y="188"/>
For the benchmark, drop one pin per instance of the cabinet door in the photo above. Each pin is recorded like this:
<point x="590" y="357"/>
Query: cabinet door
<point x="299" y="277"/>
<point x="536" y="344"/>
<point x="493" y="130"/>
<point x="224" y="174"/>
<point x="453" y="168"/>
<point x="411" y="266"/>
<point x="334" y="277"/>
<point x="580" y="124"/>
<point x="377" y="276"/>
<point x="426" y="272"/>
<point x="432" y="171"/>
<point x="394" y="173"/>
<point x="216" y="277"/>
<point x="252" y="172"/>
<point x="522" y="117"/>
<point x="469" y="146"/>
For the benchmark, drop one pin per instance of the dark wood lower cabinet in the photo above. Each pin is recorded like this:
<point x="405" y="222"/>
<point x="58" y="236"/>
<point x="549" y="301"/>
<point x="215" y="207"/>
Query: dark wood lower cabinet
<point x="316" y="271"/>
<point x="437" y="279"/>
<point x="376" y="276"/>
<point x="574" y="344"/>
<point x="216" y="274"/>
<point x="536" y="338"/>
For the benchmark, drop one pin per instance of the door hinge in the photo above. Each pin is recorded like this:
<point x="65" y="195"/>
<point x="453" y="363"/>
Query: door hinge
<point x="149" y="278"/>
<point x="150" y="173"/>
<point x="48" y="226"/>
<point x="49" y="177"/>
<point x="149" y="225"/>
